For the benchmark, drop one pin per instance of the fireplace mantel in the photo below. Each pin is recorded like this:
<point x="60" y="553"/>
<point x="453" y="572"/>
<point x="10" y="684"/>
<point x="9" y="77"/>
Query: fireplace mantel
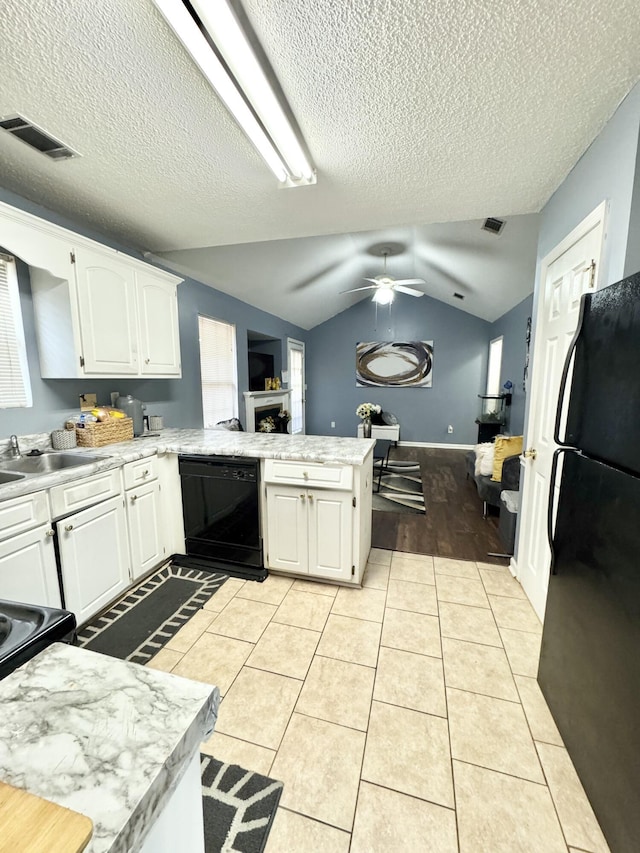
<point x="254" y="401"/>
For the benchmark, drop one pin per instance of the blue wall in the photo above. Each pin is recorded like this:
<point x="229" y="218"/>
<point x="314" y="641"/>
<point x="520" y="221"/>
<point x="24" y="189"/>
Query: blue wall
<point x="459" y="373"/>
<point x="513" y="326"/>
<point x="179" y="400"/>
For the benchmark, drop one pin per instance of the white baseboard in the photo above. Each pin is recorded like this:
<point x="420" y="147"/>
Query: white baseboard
<point x="513" y="567"/>
<point x="441" y="446"/>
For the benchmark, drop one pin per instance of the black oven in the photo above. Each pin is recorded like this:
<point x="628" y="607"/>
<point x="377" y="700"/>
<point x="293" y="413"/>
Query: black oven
<point x="221" y="510"/>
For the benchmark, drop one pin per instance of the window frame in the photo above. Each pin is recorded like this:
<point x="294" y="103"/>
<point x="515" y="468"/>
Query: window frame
<point x="232" y="394"/>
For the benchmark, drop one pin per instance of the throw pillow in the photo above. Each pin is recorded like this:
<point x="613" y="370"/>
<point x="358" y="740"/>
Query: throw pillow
<point x="484" y="459"/>
<point x="505" y="445"/>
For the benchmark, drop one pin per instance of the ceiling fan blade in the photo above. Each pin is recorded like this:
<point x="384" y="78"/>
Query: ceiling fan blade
<point x="410" y="281"/>
<point x="409" y="290"/>
<point x="356" y="289"/>
<point x="374" y="280"/>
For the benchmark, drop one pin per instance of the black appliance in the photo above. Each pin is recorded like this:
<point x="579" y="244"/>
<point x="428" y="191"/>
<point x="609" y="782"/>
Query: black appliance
<point x="261" y="367"/>
<point x="590" y="663"/>
<point x="27" y="629"/>
<point x="221" y="510"/>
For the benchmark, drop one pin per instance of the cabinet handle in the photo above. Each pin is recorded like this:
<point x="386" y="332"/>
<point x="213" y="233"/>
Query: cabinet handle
<point x="310" y="496"/>
<point x="134" y="498"/>
<point x="303" y="498"/>
<point x="68" y="528"/>
<point x="147" y="360"/>
<point x="305" y="474"/>
<point x="145" y="473"/>
<point x="50" y="532"/>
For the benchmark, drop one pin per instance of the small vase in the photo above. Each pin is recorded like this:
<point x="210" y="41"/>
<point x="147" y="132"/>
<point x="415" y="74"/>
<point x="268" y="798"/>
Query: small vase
<point x="366" y="427"/>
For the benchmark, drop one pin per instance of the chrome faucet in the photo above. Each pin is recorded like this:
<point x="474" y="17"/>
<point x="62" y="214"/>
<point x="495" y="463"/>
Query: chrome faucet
<point x="14" y="447"/>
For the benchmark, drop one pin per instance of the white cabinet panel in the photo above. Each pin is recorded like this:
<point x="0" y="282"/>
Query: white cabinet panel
<point x="106" y="288"/>
<point x="70" y="497"/>
<point x="330" y="525"/>
<point x="158" y="320"/>
<point x="21" y="514"/>
<point x="328" y="475"/>
<point x="94" y="557"/>
<point x="28" y="568"/>
<point x="287" y="529"/>
<point x="144" y="515"/>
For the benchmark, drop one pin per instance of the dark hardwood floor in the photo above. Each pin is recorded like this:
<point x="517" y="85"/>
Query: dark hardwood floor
<point x="453" y="525"/>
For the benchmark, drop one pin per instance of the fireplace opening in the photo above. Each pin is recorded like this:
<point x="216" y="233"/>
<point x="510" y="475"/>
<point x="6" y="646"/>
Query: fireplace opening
<point x="264" y="412"/>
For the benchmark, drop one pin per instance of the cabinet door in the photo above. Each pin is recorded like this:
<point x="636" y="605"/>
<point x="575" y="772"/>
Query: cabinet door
<point x="158" y="318"/>
<point x="107" y="310"/>
<point x="94" y="557"/>
<point x="28" y="568"/>
<point x="330" y="520"/>
<point x="145" y="528"/>
<point x="287" y="541"/>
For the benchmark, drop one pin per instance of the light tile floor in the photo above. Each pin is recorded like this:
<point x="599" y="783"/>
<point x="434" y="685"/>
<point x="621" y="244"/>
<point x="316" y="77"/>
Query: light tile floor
<point x="401" y="717"/>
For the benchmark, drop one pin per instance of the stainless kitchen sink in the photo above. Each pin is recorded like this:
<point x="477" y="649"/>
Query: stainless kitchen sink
<point x="9" y="476"/>
<point x="46" y="463"/>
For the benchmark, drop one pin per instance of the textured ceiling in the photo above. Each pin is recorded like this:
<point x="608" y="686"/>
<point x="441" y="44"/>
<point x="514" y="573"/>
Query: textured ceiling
<point x="414" y="111"/>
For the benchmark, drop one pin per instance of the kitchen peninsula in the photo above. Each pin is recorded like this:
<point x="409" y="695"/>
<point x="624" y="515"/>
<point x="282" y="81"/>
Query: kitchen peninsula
<point x="124" y="507"/>
<point x="114" y="741"/>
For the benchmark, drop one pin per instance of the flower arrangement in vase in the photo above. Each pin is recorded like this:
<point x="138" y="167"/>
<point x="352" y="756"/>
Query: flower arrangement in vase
<point x="364" y="411"/>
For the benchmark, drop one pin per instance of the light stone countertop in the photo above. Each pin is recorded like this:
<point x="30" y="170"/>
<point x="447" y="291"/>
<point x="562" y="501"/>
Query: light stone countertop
<point x="299" y="448"/>
<point x="104" y="737"/>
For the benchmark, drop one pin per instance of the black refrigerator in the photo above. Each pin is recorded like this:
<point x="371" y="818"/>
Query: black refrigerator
<point x="590" y="657"/>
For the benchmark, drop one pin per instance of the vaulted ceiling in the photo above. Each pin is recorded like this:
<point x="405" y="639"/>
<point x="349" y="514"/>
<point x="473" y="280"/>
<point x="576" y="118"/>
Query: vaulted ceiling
<point x="414" y="111"/>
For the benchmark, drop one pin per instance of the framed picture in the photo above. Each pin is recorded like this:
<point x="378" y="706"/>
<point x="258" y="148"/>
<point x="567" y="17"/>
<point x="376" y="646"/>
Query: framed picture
<point x="394" y="364"/>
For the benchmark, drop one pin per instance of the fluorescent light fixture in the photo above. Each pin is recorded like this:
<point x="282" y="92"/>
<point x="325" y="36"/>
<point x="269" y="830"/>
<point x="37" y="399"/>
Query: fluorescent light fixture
<point x="246" y="84"/>
<point x="384" y="296"/>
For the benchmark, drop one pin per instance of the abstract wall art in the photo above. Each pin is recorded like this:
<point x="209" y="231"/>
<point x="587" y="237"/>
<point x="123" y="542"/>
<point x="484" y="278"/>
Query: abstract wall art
<point x="394" y="364"/>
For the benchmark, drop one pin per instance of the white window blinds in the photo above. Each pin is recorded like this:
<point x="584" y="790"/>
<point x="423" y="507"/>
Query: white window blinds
<point x="15" y="389"/>
<point x="218" y="371"/>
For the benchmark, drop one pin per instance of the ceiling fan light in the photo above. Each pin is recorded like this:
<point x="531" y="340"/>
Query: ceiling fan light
<point x="383" y="296"/>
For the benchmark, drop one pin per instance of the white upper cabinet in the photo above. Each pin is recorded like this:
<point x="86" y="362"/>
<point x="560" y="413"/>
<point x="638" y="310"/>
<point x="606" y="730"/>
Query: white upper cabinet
<point x="106" y="288"/>
<point x="158" y="321"/>
<point x="98" y="312"/>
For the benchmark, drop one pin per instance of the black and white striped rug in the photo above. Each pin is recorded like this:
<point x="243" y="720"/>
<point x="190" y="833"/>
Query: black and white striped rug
<point x="137" y="626"/>
<point x="400" y="489"/>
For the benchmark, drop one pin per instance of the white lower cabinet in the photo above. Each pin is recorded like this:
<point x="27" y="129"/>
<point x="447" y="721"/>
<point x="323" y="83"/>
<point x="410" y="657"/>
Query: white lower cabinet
<point x="94" y="557"/>
<point x="310" y="531"/>
<point x="146" y="535"/>
<point x="28" y="568"/>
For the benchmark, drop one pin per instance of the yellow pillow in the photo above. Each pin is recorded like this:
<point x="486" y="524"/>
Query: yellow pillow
<point x="506" y="445"/>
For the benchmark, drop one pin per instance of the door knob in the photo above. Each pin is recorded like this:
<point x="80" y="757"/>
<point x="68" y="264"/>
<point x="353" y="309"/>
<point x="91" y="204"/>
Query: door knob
<point x="531" y="453"/>
<point x="50" y="532"/>
<point x="68" y="528"/>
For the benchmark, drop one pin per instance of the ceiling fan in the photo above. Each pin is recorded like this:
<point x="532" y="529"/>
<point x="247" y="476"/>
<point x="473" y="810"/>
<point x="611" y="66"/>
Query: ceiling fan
<point x="385" y="287"/>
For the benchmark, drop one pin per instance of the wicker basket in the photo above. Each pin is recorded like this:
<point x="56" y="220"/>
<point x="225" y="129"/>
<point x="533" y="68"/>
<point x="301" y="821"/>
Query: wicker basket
<point x="99" y="434"/>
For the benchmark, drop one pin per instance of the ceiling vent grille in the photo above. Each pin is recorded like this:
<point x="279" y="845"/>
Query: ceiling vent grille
<point x="37" y="138"/>
<point x="493" y="225"/>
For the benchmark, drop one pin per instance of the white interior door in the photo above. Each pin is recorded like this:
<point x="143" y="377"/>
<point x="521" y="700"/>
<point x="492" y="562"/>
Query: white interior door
<point x="295" y="366"/>
<point x="566" y="273"/>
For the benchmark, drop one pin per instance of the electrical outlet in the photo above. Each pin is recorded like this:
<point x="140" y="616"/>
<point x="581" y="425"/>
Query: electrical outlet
<point x="450" y="429"/>
<point x="333" y="424"/>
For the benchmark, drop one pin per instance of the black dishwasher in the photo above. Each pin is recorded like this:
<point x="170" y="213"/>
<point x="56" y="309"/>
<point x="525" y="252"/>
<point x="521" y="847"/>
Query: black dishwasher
<point x="221" y="511"/>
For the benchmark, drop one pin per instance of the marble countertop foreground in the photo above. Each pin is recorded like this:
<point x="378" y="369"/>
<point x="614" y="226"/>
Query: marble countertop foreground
<point x="101" y="736"/>
<point x="298" y="448"/>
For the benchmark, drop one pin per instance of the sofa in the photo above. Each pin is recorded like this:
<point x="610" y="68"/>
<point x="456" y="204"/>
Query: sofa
<point x="489" y="490"/>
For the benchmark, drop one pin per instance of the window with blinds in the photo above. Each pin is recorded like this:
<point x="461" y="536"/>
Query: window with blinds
<point x="218" y="370"/>
<point x="15" y="388"/>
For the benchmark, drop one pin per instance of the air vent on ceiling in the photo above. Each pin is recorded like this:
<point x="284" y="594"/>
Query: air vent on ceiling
<point x="35" y="137"/>
<point x="458" y="296"/>
<point x="493" y="225"/>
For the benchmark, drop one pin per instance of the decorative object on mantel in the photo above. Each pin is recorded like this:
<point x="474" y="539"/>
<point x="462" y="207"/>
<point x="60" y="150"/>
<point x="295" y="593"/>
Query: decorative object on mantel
<point x="365" y="411"/>
<point x="394" y="364"/>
